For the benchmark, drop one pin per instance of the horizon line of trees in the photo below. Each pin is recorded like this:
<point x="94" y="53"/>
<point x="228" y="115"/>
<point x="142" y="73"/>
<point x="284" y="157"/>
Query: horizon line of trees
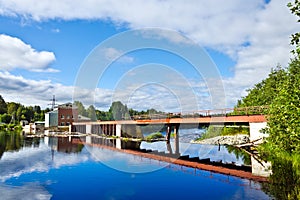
<point x="13" y="113"/>
<point x="117" y="111"/>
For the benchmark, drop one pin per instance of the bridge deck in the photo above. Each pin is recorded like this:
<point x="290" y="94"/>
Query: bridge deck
<point x="198" y="120"/>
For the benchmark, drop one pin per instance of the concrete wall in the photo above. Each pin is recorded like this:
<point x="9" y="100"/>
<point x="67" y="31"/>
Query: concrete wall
<point x="51" y="119"/>
<point x="255" y="129"/>
<point x="88" y="128"/>
<point x="118" y="130"/>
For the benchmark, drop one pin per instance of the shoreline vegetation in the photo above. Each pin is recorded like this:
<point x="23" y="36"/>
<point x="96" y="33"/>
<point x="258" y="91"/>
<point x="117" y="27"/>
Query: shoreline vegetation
<point x="222" y="135"/>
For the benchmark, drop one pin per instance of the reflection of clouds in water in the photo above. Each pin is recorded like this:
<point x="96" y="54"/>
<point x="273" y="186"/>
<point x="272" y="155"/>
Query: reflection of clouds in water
<point x="125" y="162"/>
<point x="250" y="191"/>
<point x="30" y="159"/>
<point x="30" y="191"/>
<point x="197" y="150"/>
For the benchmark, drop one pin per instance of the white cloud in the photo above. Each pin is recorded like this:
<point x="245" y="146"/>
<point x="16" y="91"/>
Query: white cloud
<point x="112" y="54"/>
<point x="31" y="191"/>
<point x="254" y="34"/>
<point x="14" y="53"/>
<point x="39" y="92"/>
<point x="31" y="159"/>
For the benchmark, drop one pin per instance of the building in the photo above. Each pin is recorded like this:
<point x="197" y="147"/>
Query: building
<point x="62" y="115"/>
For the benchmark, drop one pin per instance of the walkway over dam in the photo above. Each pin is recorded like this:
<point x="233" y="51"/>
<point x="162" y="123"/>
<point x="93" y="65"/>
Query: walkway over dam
<point x="121" y="128"/>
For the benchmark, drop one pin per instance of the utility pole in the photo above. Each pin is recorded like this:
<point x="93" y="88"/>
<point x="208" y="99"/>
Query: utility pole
<point x="53" y="102"/>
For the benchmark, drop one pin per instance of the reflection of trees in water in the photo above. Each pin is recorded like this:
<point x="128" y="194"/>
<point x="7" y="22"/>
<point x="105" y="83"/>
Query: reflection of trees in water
<point x="10" y="141"/>
<point x="239" y="153"/>
<point x="14" y="141"/>
<point x="284" y="181"/>
<point x="34" y="141"/>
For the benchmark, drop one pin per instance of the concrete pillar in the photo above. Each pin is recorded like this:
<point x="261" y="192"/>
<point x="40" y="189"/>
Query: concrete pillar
<point x="118" y="130"/>
<point x="118" y="143"/>
<point x="176" y="135"/>
<point x="88" y="129"/>
<point x="169" y="148"/>
<point x="255" y="129"/>
<point x="114" y="129"/>
<point x="168" y="133"/>
<point x="88" y="140"/>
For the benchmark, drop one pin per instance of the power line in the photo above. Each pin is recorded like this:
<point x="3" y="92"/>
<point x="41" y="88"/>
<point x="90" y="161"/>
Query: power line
<point x="53" y="100"/>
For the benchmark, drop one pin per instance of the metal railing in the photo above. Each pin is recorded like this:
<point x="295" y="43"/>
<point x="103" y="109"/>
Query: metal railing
<point x="253" y="110"/>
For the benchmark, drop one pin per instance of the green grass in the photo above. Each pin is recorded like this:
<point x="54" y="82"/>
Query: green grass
<point x="214" y="131"/>
<point x="154" y="136"/>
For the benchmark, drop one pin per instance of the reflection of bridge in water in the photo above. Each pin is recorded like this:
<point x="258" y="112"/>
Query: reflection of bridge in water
<point x="133" y="148"/>
<point x="252" y="117"/>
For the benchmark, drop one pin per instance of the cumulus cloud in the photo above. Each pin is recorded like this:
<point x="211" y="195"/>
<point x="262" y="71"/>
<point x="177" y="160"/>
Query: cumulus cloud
<point x="39" y="92"/>
<point x="112" y="54"/>
<point x="30" y="159"/>
<point x="14" y="53"/>
<point x="31" y="191"/>
<point x="253" y="33"/>
<point x="170" y="95"/>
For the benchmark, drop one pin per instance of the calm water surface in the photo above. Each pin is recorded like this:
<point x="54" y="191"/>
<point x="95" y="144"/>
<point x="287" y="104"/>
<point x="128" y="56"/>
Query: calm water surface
<point x="56" y="168"/>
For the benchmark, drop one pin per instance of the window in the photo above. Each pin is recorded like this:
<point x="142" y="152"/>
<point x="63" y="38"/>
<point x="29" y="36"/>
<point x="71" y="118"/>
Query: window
<point x="68" y="116"/>
<point x="62" y="123"/>
<point x="62" y="116"/>
<point x="68" y="123"/>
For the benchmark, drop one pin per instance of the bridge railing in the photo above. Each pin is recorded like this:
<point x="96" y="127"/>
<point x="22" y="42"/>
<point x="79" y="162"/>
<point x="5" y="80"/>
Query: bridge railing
<point x="253" y="110"/>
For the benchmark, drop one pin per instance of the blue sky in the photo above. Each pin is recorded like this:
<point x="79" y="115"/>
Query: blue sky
<point x="43" y="45"/>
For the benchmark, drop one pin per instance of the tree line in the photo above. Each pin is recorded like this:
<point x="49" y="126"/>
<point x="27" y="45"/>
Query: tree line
<point x="281" y="92"/>
<point x="13" y="113"/>
<point x="117" y="111"/>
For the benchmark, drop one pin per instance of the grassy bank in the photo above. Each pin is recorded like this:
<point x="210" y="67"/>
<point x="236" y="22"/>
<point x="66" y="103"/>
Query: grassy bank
<point x="154" y="136"/>
<point x="214" y="131"/>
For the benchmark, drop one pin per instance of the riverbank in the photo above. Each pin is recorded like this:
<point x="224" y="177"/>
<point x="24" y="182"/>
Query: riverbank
<point x="225" y="140"/>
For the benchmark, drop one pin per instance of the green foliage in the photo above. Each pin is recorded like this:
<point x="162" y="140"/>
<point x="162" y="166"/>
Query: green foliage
<point x="5" y="118"/>
<point x="10" y="141"/>
<point x="235" y="130"/>
<point x="239" y="153"/>
<point x="154" y="136"/>
<point x="3" y="106"/>
<point x="119" y="111"/>
<point x="284" y="115"/>
<point x="91" y="112"/>
<point x="263" y="93"/>
<point x="80" y="107"/>
<point x="214" y="131"/>
<point x="284" y="182"/>
<point x="295" y="38"/>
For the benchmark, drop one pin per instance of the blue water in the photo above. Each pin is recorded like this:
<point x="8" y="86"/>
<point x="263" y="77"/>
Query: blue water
<point x="47" y="172"/>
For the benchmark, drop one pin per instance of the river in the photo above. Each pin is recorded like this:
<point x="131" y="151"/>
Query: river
<point x="59" y="168"/>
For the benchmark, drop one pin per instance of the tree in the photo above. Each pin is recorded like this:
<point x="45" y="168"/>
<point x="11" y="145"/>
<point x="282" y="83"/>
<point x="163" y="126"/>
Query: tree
<point x="12" y="108"/>
<point x="295" y="38"/>
<point x="284" y="114"/>
<point x="19" y="113"/>
<point x="91" y="112"/>
<point x="118" y="110"/>
<point x="5" y="118"/>
<point x="263" y="93"/>
<point x="3" y="106"/>
<point x="80" y="107"/>
<point x="37" y="109"/>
